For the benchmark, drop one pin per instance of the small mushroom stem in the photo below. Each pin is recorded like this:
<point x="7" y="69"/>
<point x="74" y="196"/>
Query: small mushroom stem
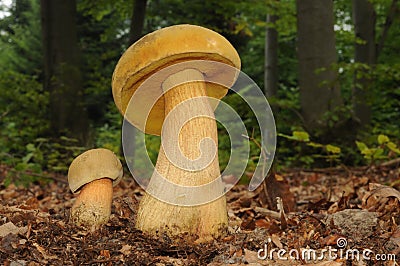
<point x="93" y="204"/>
<point x="202" y="222"/>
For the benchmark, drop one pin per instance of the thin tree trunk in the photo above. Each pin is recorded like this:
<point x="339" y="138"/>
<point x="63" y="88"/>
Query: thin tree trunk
<point x="137" y="20"/>
<point x="63" y="79"/>
<point x="271" y="58"/>
<point x="135" y="33"/>
<point x="319" y="90"/>
<point x="364" y="18"/>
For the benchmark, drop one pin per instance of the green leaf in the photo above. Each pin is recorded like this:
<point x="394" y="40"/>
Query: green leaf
<point x="308" y="160"/>
<point x="27" y="157"/>
<point x="59" y="168"/>
<point x="382" y="139"/>
<point x="21" y="166"/>
<point x="301" y="136"/>
<point x="332" y="149"/>
<point x="393" y="147"/>
<point x="30" y="147"/>
<point x="285" y="136"/>
<point x="378" y="154"/>
<point x="361" y="146"/>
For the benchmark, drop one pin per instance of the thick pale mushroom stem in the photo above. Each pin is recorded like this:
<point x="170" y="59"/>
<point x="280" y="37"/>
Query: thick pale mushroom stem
<point x="93" y="205"/>
<point x="202" y="222"/>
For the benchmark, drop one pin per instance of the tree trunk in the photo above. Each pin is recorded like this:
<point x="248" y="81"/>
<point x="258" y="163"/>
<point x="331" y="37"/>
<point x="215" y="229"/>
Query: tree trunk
<point x="364" y="18"/>
<point x="63" y="79"/>
<point x="271" y="58"/>
<point x="135" y="33"/>
<point x="137" y="20"/>
<point x="319" y="90"/>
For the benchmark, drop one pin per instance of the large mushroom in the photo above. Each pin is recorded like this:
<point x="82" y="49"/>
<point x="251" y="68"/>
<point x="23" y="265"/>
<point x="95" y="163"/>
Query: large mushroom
<point x="183" y="111"/>
<point x="93" y="175"/>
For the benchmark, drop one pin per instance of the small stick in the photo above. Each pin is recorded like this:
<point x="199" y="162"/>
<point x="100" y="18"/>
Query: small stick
<point x="272" y="214"/>
<point x="279" y="206"/>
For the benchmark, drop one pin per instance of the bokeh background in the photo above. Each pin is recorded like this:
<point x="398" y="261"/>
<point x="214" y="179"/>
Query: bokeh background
<point x="330" y="70"/>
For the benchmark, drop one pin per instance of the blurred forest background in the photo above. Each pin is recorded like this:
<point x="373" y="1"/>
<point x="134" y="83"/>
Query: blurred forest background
<point x="330" y="70"/>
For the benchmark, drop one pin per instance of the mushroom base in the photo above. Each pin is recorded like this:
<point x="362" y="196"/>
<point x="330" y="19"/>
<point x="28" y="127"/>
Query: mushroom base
<point x="197" y="223"/>
<point x="93" y="205"/>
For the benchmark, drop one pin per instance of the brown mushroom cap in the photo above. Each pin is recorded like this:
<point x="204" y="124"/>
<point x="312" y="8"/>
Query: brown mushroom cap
<point x="165" y="47"/>
<point x="93" y="165"/>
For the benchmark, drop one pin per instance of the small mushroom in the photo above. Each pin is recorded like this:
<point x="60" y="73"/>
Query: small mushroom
<point x="183" y="93"/>
<point x="93" y="175"/>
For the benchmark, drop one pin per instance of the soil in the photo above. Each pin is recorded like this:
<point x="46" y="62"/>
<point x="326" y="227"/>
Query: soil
<point x="336" y="210"/>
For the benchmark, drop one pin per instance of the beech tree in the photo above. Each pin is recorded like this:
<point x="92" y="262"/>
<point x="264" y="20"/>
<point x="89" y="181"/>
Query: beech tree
<point x="62" y="62"/>
<point x="364" y="18"/>
<point x="319" y="90"/>
<point x="135" y="33"/>
<point x="367" y="50"/>
<point x="271" y="57"/>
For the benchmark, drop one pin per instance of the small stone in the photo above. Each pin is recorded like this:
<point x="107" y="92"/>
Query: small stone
<point x="354" y="223"/>
<point x="18" y="263"/>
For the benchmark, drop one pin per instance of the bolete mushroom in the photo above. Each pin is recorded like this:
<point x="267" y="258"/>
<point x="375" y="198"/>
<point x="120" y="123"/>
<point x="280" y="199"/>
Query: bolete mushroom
<point x="183" y="93"/>
<point x="93" y="175"/>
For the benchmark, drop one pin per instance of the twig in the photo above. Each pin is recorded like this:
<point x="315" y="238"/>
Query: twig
<point x="390" y="163"/>
<point x="281" y="209"/>
<point x="272" y="214"/>
<point x="269" y="200"/>
<point x="264" y="153"/>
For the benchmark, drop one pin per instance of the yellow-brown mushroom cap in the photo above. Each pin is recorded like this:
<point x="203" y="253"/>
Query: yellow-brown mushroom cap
<point x="93" y="165"/>
<point x="166" y="47"/>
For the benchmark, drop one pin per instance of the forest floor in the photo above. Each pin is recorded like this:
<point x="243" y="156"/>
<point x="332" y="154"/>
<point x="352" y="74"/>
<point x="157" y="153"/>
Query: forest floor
<point x="336" y="216"/>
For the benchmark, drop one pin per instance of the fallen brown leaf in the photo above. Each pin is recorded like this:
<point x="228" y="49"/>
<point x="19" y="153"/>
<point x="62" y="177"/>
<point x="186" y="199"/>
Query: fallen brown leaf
<point x="105" y="253"/>
<point x="262" y="223"/>
<point x="275" y="186"/>
<point x="31" y="204"/>
<point x="276" y="240"/>
<point x="126" y="250"/>
<point x="378" y="196"/>
<point x="43" y="252"/>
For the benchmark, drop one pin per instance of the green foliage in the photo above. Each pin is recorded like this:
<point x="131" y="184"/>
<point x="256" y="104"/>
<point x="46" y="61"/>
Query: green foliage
<point x="103" y="35"/>
<point x="54" y="155"/>
<point x="41" y="155"/>
<point x="108" y="135"/>
<point x="330" y="153"/>
<point x="153" y="147"/>
<point x="383" y="149"/>
<point x="20" y="39"/>
<point x="298" y="136"/>
<point x="22" y="109"/>
<point x="23" y="102"/>
<point x="250" y="122"/>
